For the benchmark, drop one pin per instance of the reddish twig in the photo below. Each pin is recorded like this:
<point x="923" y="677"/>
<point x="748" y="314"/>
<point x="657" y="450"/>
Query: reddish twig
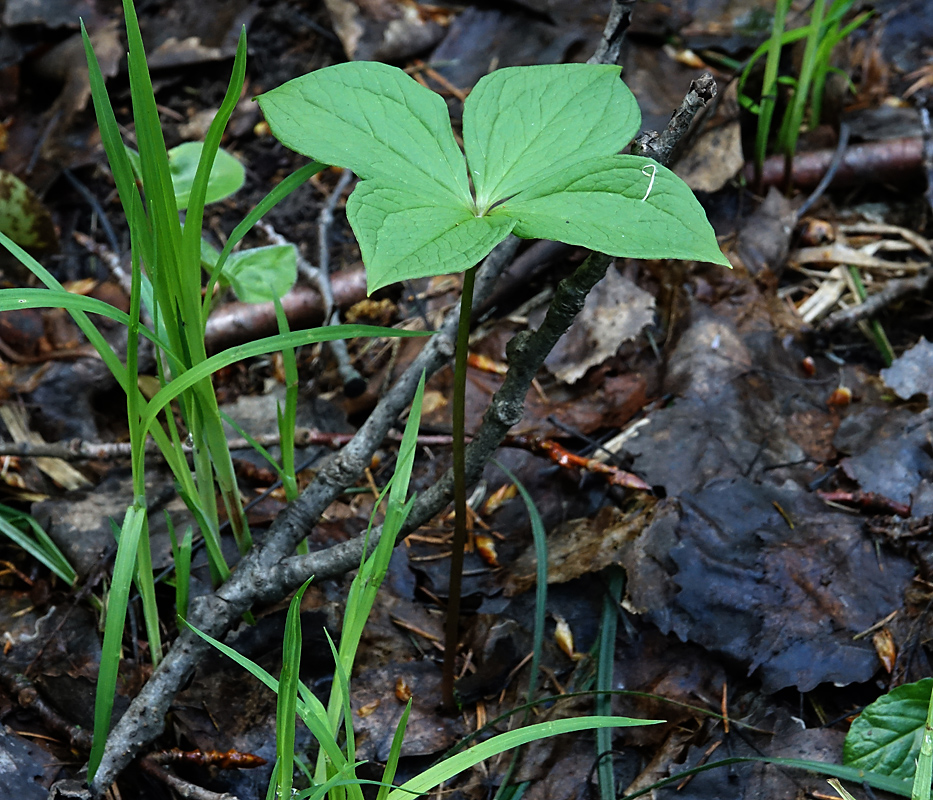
<point x="230" y="759"/>
<point x="887" y="161"/>
<point x="564" y="458"/>
<point x="868" y="501"/>
<point x="235" y="323"/>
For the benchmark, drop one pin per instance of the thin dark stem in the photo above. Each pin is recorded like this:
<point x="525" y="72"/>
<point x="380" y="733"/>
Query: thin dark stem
<point x="452" y="627"/>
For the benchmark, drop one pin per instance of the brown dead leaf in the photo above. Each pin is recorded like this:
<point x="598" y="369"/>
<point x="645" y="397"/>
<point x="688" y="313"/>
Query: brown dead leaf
<point x="616" y="311"/>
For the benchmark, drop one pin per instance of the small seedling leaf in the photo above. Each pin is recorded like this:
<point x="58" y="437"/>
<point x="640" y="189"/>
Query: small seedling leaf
<point x="23" y="217"/>
<point x="521" y="124"/>
<point x="375" y="120"/>
<point x="263" y="273"/>
<point x="403" y="235"/>
<point x="620" y="205"/>
<point x="227" y="173"/>
<point x="886" y="736"/>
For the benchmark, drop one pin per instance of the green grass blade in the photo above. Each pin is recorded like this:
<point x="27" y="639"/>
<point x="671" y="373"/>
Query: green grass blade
<point x="39" y="545"/>
<point x="851" y="774"/>
<point x="287" y="702"/>
<point x="539" y="537"/>
<point x="157" y="178"/>
<point x="286" y="418"/>
<point x="191" y="237"/>
<point x="218" y="565"/>
<point x="145" y="585"/>
<point x="395" y="752"/>
<point x="793" y="117"/>
<point x="372" y="571"/>
<point x="181" y="556"/>
<point x="923" y="777"/>
<point x="120" y="165"/>
<point x="604" y="680"/>
<point x="281" y="191"/>
<point x="12" y="299"/>
<point x="337" y="780"/>
<point x="310" y="709"/>
<point x="769" y="85"/>
<point x="252" y="442"/>
<point x="341" y="686"/>
<point x="260" y="347"/>
<point x="131" y="532"/>
<point x="94" y="336"/>
<point x="454" y="765"/>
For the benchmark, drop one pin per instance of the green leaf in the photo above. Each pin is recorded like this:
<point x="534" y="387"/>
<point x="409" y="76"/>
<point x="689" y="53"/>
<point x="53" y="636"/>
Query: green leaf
<point x="270" y="344"/>
<point x="403" y="234"/>
<point x="227" y="173"/>
<point x="886" y="736"/>
<point x="523" y="123"/>
<point x="454" y="765"/>
<point x="620" y="205"/>
<point x="134" y="524"/>
<point x="375" y="120"/>
<point x="23" y="216"/>
<point x="263" y="273"/>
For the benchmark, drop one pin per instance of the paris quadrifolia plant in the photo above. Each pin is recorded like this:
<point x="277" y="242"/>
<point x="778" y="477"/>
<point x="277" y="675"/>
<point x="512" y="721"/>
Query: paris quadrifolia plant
<point x="541" y="160"/>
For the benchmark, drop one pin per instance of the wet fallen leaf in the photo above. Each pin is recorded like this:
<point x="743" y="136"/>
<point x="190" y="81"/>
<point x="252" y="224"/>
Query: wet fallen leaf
<point x="616" y="311"/>
<point x="23" y="216"/>
<point x="912" y="372"/>
<point x="785" y="601"/>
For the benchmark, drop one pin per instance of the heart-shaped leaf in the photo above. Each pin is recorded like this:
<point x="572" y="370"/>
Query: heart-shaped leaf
<point x="262" y="274"/>
<point x="375" y="120"/>
<point x="885" y="737"/>
<point x="23" y="217"/>
<point x="521" y="124"/>
<point x="227" y="173"/>
<point x="621" y="205"/>
<point x="403" y="235"/>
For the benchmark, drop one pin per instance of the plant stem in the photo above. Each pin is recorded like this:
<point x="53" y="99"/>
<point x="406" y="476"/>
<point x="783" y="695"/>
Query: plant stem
<point x="452" y="628"/>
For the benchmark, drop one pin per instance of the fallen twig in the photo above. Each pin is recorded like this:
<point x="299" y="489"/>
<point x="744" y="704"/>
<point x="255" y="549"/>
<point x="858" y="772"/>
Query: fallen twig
<point x="893" y="291"/>
<point x="353" y="383"/>
<point x="80" y="450"/>
<point x="235" y="323"/>
<point x="22" y="689"/>
<point x="887" y="161"/>
<point x="187" y="790"/>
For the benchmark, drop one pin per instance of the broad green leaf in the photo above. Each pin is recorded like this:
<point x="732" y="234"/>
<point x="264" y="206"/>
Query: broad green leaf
<point x="523" y="123"/>
<point x="280" y="191"/>
<point x="227" y="173"/>
<point x="263" y="273"/>
<point x="23" y="216"/>
<point x="885" y="738"/>
<point x="375" y="120"/>
<point x="403" y="234"/>
<point x="621" y="205"/>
